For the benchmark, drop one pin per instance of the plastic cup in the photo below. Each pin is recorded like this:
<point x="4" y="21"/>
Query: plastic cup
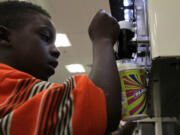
<point x="133" y="85"/>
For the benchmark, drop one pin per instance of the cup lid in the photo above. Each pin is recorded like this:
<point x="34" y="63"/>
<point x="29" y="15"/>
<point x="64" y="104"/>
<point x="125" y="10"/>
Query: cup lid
<point x="126" y="66"/>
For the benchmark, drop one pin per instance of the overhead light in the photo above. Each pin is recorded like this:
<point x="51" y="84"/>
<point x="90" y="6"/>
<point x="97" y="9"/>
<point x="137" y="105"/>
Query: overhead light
<point x="75" y="68"/>
<point x="62" y="40"/>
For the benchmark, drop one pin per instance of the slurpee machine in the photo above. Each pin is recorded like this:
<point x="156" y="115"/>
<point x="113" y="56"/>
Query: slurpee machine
<point x="148" y="59"/>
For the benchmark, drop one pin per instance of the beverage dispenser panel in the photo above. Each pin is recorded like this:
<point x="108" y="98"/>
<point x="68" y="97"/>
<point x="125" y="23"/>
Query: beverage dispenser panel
<point x="164" y="28"/>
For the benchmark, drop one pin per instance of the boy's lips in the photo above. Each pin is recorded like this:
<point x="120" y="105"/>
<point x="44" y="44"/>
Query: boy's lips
<point x="53" y="64"/>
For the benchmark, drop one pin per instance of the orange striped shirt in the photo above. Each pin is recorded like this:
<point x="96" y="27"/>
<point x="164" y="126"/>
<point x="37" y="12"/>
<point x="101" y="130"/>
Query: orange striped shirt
<point x="29" y="106"/>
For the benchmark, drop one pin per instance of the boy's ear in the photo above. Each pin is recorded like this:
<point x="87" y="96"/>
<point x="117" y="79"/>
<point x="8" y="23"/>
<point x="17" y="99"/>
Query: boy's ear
<point x="4" y="36"/>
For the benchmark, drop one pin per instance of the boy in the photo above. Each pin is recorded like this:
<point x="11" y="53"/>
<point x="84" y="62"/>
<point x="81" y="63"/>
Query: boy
<point x="31" y="105"/>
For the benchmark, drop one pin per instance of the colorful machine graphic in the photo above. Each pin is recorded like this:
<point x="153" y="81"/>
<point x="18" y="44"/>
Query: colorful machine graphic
<point x="134" y="101"/>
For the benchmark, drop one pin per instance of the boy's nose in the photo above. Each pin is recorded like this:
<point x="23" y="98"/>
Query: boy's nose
<point x="55" y="51"/>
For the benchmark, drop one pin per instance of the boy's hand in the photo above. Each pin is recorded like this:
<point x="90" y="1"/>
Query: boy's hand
<point x="104" y="27"/>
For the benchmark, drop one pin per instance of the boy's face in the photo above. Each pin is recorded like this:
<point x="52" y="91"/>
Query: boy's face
<point x="33" y="48"/>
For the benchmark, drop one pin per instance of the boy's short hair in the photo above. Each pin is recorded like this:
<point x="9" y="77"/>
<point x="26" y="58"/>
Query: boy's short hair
<point x="14" y="14"/>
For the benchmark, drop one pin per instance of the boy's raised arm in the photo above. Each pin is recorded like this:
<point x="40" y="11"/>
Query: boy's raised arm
<point x="104" y="31"/>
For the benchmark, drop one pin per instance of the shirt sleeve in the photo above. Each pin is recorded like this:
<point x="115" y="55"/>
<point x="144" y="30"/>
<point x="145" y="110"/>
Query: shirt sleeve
<point x="90" y="116"/>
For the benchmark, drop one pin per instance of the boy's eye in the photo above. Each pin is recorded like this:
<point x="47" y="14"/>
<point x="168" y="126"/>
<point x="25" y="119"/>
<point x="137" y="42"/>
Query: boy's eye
<point x="46" y="36"/>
